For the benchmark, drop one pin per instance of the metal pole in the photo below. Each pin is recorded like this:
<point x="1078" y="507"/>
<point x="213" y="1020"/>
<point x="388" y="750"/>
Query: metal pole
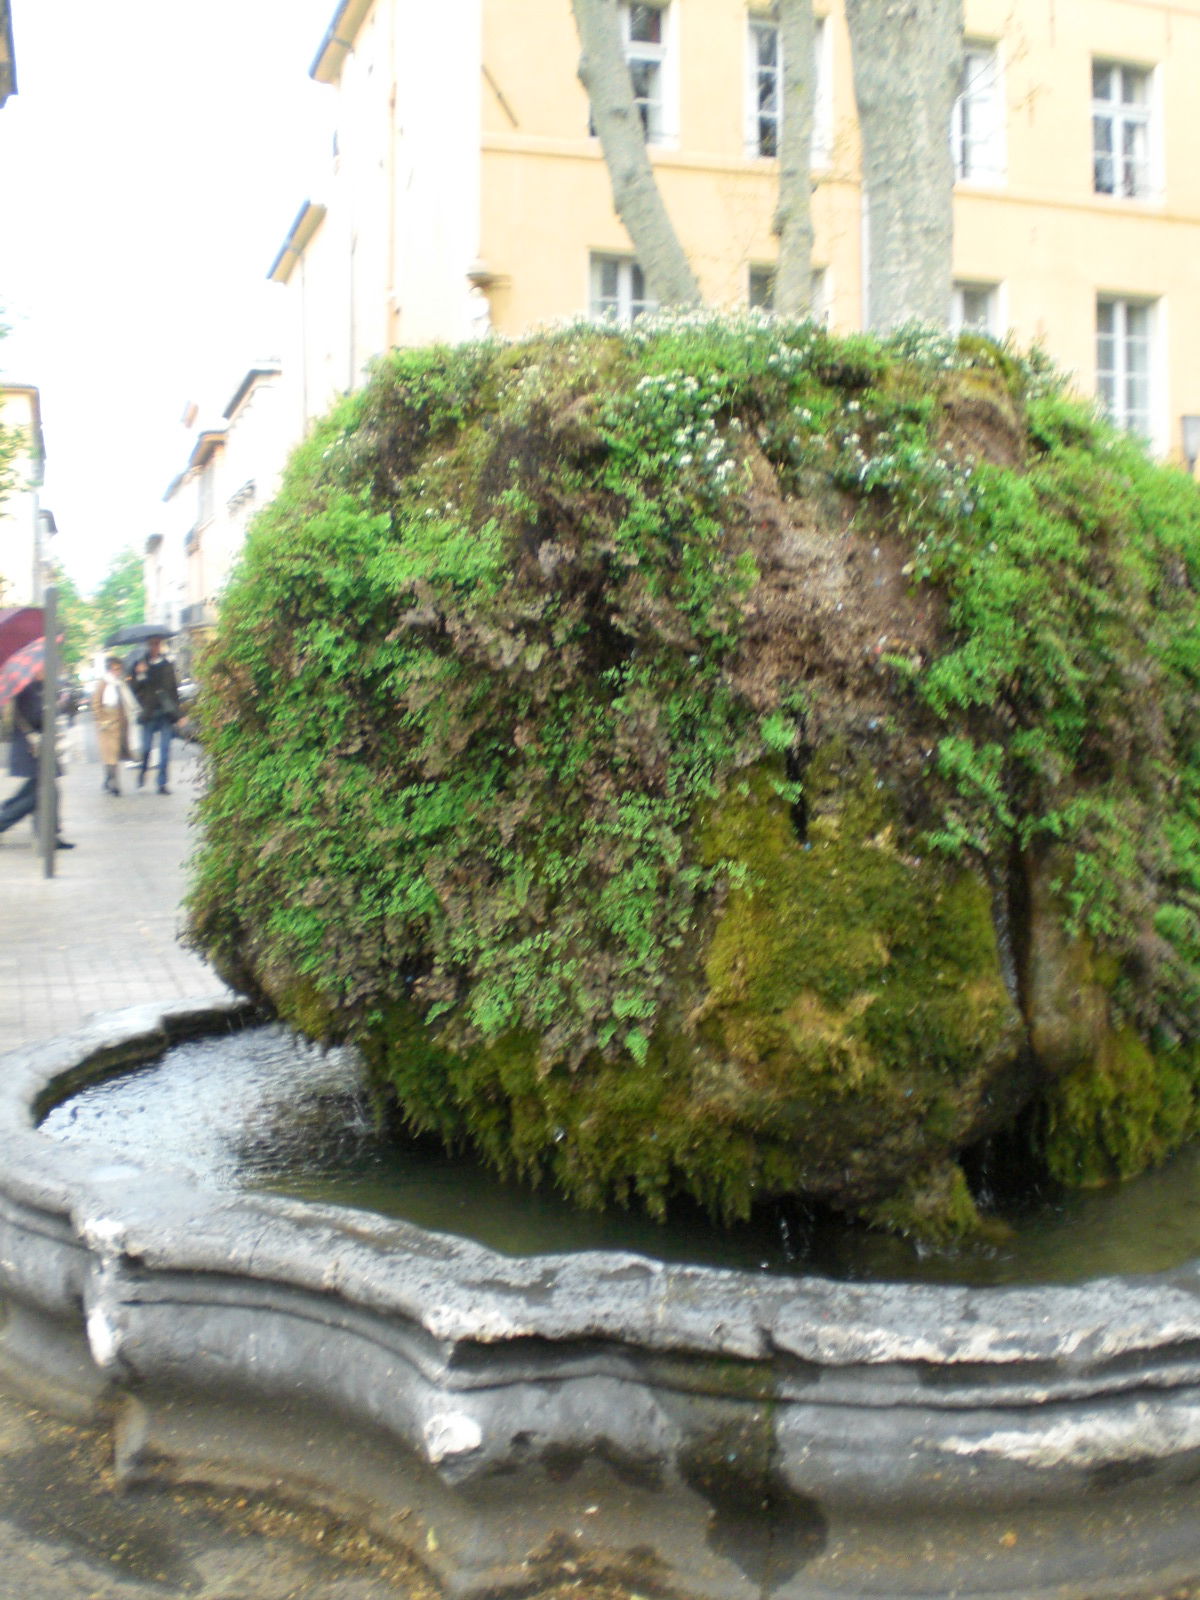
<point x="39" y="571"/>
<point x="47" y="789"/>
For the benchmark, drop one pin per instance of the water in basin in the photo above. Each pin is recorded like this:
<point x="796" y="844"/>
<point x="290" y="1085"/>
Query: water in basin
<point x="264" y="1110"/>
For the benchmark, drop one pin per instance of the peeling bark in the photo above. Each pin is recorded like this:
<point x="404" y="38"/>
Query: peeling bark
<point x="792" y="222"/>
<point x="604" y="73"/>
<point x="907" y="62"/>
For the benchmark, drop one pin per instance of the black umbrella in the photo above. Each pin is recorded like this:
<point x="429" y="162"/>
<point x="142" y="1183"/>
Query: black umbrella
<point x="138" y="633"/>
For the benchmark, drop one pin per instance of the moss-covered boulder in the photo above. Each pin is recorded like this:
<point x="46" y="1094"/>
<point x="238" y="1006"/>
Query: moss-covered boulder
<point x="725" y="759"/>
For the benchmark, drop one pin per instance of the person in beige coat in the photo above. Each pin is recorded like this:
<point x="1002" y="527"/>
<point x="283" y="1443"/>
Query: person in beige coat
<point x="114" y="712"/>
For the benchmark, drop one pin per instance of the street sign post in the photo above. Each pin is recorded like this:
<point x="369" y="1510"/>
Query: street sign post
<point x="47" y="789"/>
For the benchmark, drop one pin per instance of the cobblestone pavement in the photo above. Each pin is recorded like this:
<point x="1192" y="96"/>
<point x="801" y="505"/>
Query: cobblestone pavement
<point x="98" y="935"/>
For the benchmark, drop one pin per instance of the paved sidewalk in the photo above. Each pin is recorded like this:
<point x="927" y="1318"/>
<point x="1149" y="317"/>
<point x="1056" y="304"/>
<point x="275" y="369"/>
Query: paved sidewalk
<point x="102" y="934"/>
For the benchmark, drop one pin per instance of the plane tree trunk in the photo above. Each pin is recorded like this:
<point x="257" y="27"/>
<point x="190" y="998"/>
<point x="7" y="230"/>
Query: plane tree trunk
<point x="907" y="58"/>
<point x="793" y="211"/>
<point x="604" y="73"/>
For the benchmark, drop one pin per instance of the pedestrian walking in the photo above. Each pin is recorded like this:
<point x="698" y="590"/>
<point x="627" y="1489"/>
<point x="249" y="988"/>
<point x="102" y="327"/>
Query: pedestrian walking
<point x="157" y="693"/>
<point x="23" y="759"/>
<point x="114" y="711"/>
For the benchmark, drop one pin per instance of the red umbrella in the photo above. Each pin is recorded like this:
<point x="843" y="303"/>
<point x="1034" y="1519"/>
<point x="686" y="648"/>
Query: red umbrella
<point x="20" y="669"/>
<point x="18" y="628"/>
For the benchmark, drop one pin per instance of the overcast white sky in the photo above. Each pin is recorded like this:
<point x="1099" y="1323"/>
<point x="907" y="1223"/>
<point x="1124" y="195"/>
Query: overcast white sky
<point x="154" y="157"/>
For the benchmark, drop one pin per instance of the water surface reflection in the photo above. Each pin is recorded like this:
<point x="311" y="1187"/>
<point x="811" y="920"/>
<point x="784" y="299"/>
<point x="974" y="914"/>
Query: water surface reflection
<point x="263" y="1110"/>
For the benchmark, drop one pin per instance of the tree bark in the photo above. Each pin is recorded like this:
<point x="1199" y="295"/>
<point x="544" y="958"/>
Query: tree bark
<point x="792" y="223"/>
<point x="604" y="73"/>
<point x="907" y="66"/>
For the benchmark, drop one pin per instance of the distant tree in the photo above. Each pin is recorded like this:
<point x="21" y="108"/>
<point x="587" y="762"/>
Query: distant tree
<point x="120" y="598"/>
<point x="74" y="621"/>
<point x="10" y="448"/>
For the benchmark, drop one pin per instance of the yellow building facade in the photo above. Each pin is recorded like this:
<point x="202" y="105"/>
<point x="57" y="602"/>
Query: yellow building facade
<point x="467" y="190"/>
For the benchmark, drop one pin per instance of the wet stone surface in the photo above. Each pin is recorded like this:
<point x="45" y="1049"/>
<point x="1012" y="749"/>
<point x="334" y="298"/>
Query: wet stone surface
<point x="68" y="1533"/>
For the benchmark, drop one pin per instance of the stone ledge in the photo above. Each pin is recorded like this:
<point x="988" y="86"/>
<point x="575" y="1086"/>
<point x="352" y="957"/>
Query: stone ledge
<point x="693" y="1429"/>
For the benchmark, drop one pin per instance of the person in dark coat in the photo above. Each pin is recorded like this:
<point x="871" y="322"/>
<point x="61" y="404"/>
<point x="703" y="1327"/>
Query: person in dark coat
<point x="23" y="760"/>
<point x="157" y="694"/>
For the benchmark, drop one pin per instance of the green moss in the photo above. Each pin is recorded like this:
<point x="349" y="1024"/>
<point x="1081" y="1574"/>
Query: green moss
<point x="618" y="1132"/>
<point x="506" y="717"/>
<point x="841" y="959"/>
<point x="935" y="1206"/>
<point x="298" y="1001"/>
<point x="1127" y="1109"/>
<point x="839" y="974"/>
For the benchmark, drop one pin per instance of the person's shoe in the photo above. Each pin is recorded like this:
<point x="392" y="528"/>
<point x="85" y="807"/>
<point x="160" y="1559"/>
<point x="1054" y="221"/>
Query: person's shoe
<point x="63" y="844"/>
<point x="162" y="789"/>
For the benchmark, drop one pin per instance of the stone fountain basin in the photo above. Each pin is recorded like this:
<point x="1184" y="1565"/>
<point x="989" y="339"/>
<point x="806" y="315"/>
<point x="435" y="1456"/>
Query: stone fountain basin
<point x="686" y="1430"/>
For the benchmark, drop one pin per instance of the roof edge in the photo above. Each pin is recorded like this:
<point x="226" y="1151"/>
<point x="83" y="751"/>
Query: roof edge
<point x="265" y="370"/>
<point x="308" y="219"/>
<point x="208" y="441"/>
<point x="339" y="40"/>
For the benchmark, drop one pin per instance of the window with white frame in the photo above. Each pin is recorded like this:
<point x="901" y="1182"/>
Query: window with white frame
<point x="618" y="289"/>
<point x="822" y="135"/>
<point x="206" y="495"/>
<point x="644" y="30"/>
<point x="975" y="308"/>
<point x="765" y="106"/>
<point x="977" y="126"/>
<point x="1125" y="362"/>
<point x="1122" y="130"/>
<point x="761" y="291"/>
<point x="764" y="91"/>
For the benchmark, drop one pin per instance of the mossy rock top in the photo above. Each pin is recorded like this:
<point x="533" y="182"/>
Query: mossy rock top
<point x="685" y="758"/>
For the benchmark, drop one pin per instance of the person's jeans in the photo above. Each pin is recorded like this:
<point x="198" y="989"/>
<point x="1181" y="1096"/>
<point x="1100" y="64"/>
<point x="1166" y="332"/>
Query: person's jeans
<point x="19" y="805"/>
<point x="161" y="728"/>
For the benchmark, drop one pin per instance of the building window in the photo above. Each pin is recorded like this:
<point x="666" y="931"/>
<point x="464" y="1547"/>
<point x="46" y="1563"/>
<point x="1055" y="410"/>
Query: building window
<point x="618" y="289"/>
<point x="764" y="92"/>
<point x="762" y="288"/>
<point x="975" y="307"/>
<point x="644" y="29"/>
<point x="761" y="291"/>
<point x="1121" y="105"/>
<point x="822" y="139"/>
<point x="1125" y="362"/>
<point x="977" y="126"/>
<point x="207" y="496"/>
